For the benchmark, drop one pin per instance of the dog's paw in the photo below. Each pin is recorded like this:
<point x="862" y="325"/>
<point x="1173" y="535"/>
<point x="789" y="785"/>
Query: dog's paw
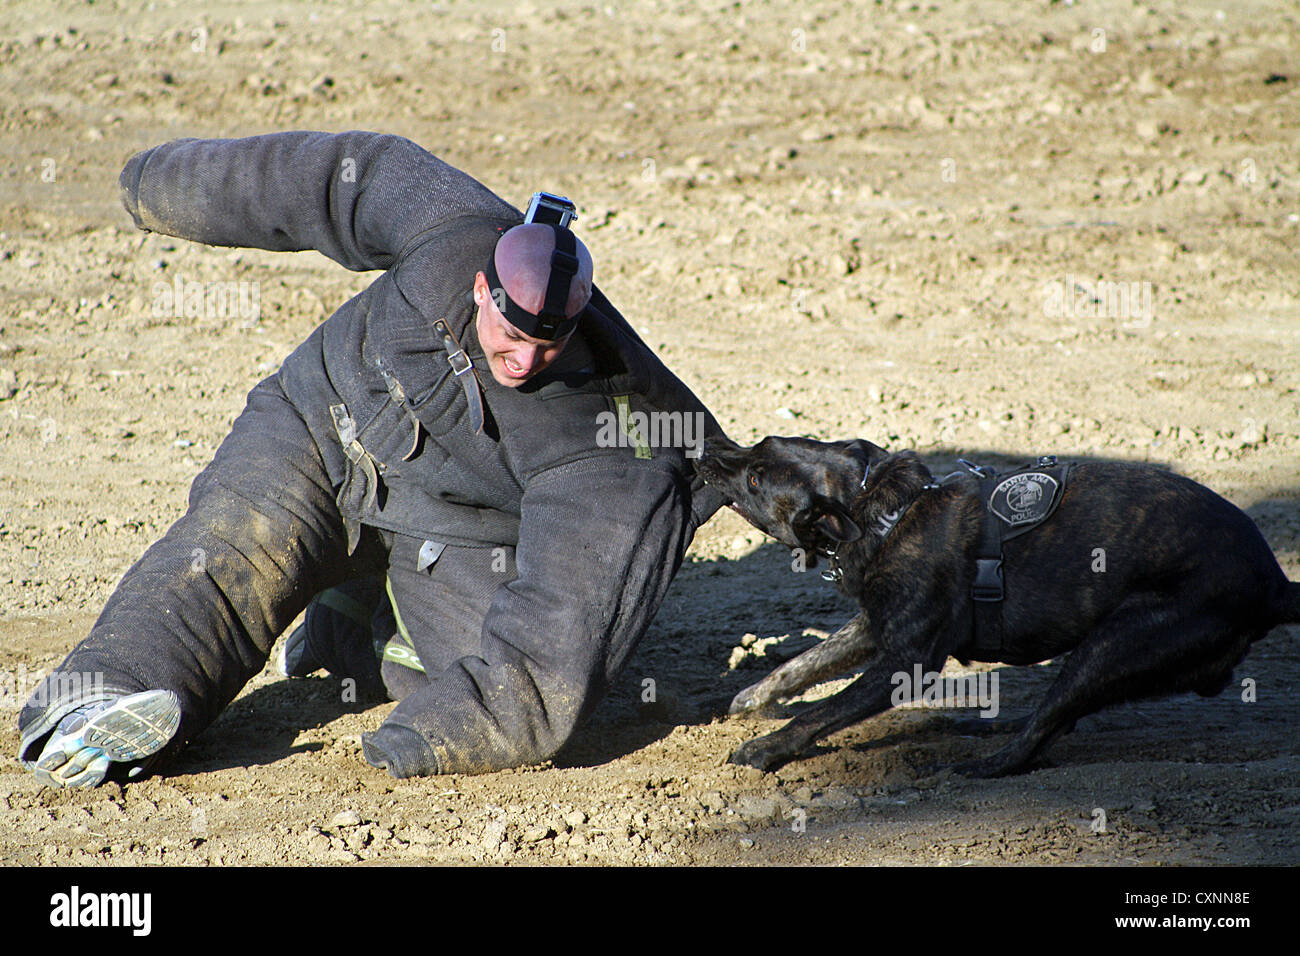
<point x="760" y="754"/>
<point x="749" y="700"/>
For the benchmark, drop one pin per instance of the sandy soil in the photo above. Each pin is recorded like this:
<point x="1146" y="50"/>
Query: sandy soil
<point x="833" y="219"/>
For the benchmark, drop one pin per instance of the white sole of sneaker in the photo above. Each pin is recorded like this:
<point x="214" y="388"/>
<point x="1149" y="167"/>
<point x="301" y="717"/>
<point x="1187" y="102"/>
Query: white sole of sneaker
<point x="135" y="726"/>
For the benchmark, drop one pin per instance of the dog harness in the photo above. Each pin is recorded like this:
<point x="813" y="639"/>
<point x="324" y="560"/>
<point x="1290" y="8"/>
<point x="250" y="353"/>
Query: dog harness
<point x="1014" y="503"/>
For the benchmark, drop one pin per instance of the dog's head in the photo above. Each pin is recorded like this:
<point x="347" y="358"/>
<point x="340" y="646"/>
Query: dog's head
<point x="795" y="489"/>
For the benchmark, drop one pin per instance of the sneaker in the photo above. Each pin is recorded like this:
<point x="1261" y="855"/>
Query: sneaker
<point x="295" y="658"/>
<point x="335" y="634"/>
<point x="95" y="735"/>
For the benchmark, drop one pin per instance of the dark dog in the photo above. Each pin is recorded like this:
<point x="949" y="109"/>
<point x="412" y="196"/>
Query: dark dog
<point x="1153" y="582"/>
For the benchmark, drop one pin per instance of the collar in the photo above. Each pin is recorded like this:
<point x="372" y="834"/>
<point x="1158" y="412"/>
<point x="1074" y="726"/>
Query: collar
<point x="885" y="523"/>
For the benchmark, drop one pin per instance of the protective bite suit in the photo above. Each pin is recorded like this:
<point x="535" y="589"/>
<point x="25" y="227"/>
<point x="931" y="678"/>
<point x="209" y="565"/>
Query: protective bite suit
<point x="524" y="562"/>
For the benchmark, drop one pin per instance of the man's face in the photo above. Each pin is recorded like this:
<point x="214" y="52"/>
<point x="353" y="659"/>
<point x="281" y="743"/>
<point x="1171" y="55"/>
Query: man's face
<point x="513" y="357"/>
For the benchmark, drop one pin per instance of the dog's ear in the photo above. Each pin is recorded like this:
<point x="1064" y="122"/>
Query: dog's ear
<point x="864" y="451"/>
<point x="824" y="524"/>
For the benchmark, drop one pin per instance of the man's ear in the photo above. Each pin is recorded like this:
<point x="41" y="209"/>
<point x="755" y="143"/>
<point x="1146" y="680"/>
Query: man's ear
<point x="824" y="524"/>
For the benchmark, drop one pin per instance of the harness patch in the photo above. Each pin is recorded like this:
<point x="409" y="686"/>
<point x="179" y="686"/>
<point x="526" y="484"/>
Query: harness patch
<point x="1024" y="498"/>
<point x="1016" y="504"/>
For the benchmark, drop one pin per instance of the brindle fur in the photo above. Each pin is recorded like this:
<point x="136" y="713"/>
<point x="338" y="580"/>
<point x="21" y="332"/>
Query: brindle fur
<point x="1189" y="583"/>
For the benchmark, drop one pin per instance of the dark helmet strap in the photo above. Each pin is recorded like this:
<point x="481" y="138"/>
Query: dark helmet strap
<point x="550" y="322"/>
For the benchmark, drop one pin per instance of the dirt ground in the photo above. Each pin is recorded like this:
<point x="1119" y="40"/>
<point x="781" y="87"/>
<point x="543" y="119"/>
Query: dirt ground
<point x="881" y="220"/>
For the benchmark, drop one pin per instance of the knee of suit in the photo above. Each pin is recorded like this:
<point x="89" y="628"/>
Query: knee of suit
<point x="478" y="717"/>
<point x="556" y="715"/>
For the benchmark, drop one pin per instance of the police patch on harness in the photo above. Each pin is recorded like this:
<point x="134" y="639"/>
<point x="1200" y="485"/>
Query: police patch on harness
<point x="1024" y="498"/>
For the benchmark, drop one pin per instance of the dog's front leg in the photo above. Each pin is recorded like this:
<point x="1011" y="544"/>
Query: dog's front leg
<point x="870" y="694"/>
<point x="846" y="648"/>
<point x="904" y="640"/>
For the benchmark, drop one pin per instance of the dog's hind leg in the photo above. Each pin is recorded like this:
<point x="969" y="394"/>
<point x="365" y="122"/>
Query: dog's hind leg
<point x="846" y="648"/>
<point x="1136" y="652"/>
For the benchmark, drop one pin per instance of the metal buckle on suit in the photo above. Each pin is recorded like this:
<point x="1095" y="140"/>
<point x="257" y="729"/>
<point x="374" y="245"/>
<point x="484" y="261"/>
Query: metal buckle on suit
<point x="459" y="361"/>
<point x="429" y="554"/>
<point x="463" y="366"/>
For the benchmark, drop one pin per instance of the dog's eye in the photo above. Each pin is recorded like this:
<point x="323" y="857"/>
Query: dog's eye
<point x="753" y="481"/>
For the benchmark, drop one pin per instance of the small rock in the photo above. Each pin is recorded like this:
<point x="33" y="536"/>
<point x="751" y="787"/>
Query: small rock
<point x="358" y="839"/>
<point x="347" y="818"/>
<point x="494" y="835"/>
<point x="784" y="412"/>
<point x="813" y="134"/>
<point x="747" y="844"/>
<point x="574" y="818"/>
<point x="318" y="844"/>
<point x="713" y="800"/>
<point x="536" y="834"/>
